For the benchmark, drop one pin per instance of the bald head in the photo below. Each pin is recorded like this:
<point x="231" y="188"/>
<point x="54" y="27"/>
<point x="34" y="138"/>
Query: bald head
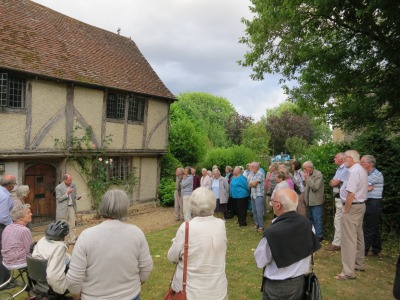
<point x="67" y="179"/>
<point x="8" y="181"/>
<point x="288" y="199"/>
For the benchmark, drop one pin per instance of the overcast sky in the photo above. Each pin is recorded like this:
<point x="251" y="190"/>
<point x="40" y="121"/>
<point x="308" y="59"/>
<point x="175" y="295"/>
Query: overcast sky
<point x="191" y="44"/>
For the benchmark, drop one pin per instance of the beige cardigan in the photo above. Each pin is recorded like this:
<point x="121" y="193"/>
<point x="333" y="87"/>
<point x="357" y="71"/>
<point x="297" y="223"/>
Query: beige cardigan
<point x="314" y="189"/>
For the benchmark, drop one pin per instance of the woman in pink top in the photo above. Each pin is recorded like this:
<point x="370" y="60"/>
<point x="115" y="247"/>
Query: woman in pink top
<point x="17" y="238"/>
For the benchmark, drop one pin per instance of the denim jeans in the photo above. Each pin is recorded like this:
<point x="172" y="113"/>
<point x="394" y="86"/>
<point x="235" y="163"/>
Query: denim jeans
<point x="257" y="205"/>
<point x="137" y="297"/>
<point x="372" y="236"/>
<point x="315" y="215"/>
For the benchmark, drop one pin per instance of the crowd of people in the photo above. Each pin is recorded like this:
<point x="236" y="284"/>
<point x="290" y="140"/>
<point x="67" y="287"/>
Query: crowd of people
<point x="357" y="189"/>
<point x="294" y="192"/>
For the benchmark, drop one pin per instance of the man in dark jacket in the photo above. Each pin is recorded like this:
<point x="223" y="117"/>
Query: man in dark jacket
<point x="285" y="249"/>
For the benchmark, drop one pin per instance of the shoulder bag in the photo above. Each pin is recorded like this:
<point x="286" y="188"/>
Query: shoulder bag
<point x="312" y="288"/>
<point x="171" y="294"/>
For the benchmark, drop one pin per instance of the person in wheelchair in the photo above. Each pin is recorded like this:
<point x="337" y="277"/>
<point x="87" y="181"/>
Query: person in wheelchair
<point x="53" y="249"/>
<point x="17" y="238"/>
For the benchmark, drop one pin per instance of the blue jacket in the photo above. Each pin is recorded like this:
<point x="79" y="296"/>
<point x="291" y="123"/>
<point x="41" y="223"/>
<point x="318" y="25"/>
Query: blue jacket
<point x="239" y="187"/>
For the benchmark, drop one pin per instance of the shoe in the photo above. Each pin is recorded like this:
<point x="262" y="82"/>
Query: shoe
<point x="332" y="247"/>
<point x="260" y="229"/>
<point x="344" y="277"/>
<point x="9" y="286"/>
<point x="320" y="239"/>
<point x="243" y="225"/>
<point x="373" y="254"/>
<point x="359" y="270"/>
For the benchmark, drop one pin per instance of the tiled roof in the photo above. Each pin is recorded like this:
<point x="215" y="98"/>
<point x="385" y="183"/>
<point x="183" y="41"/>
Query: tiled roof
<point x="41" y="41"/>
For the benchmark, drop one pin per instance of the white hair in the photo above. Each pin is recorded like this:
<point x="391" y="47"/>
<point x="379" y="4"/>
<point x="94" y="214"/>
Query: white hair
<point x="202" y="202"/>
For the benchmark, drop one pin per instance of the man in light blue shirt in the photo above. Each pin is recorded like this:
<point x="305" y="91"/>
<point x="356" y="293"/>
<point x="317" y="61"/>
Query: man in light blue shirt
<point x="256" y="185"/>
<point x="340" y="176"/>
<point x="373" y="207"/>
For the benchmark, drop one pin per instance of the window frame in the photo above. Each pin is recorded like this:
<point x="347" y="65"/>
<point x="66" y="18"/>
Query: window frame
<point x="6" y="80"/>
<point x="123" y="164"/>
<point x="130" y="115"/>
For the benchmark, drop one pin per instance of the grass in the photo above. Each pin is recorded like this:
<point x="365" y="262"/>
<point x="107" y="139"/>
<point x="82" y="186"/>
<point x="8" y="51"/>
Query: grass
<point x="244" y="278"/>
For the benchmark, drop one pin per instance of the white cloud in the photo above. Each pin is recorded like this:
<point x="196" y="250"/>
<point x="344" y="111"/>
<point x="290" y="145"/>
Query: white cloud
<point x="191" y="44"/>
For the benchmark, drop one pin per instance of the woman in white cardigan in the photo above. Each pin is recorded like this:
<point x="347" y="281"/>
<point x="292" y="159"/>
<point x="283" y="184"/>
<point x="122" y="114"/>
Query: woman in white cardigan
<point x="206" y="277"/>
<point x="205" y="180"/>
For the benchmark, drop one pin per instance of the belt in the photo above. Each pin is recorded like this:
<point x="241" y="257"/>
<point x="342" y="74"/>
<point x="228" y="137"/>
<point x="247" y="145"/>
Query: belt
<point x="353" y="203"/>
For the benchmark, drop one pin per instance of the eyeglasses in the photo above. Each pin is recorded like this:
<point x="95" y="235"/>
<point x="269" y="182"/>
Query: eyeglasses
<point x="271" y="203"/>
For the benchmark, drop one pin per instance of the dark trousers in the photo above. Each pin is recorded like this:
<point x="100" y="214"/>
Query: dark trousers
<point x="288" y="289"/>
<point x="241" y="209"/>
<point x="371" y="225"/>
<point x="4" y="272"/>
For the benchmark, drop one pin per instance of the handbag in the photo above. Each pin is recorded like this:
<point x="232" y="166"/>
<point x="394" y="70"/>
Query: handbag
<point x="171" y="294"/>
<point x="312" y="289"/>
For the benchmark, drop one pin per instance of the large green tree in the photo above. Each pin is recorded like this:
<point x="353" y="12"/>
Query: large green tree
<point x="210" y="112"/>
<point x="288" y="125"/>
<point x="344" y="55"/>
<point x="256" y="138"/>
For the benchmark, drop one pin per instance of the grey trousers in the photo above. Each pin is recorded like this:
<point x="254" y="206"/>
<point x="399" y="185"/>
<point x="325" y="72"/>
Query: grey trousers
<point x="288" y="289"/>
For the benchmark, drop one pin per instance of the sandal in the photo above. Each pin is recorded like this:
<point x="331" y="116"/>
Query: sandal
<point x="260" y="229"/>
<point x="344" y="277"/>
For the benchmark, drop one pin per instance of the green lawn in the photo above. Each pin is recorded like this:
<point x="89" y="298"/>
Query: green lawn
<point x="244" y="279"/>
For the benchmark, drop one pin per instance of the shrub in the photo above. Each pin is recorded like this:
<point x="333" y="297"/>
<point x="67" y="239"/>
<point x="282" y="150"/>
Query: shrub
<point x="169" y="164"/>
<point x="166" y="192"/>
<point x="233" y="156"/>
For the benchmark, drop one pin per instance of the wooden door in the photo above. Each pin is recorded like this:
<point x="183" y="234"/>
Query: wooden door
<point x="41" y="179"/>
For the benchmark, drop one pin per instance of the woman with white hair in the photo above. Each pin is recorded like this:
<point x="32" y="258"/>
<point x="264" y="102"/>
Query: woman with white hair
<point x="220" y="187"/>
<point x="17" y="238"/>
<point x="110" y="260"/>
<point x="22" y="192"/>
<point x="206" y="277"/>
<point x="205" y="180"/>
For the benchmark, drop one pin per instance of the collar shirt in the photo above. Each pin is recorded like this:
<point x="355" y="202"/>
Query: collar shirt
<point x="6" y="203"/>
<point x="375" y="179"/>
<point x="341" y="174"/>
<point x="357" y="183"/>
<point x="258" y="190"/>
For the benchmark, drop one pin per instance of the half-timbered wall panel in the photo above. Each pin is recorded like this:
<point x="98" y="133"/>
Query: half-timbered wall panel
<point x="148" y="178"/>
<point x="157" y="125"/>
<point x="48" y="102"/>
<point x="134" y="137"/>
<point x="89" y="104"/>
<point x="12" y="128"/>
<point x="117" y="132"/>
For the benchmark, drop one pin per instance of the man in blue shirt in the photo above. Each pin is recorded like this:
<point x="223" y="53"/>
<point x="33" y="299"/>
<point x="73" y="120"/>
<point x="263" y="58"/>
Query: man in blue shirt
<point x="340" y="176"/>
<point x="373" y="207"/>
<point x="7" y="184"/>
